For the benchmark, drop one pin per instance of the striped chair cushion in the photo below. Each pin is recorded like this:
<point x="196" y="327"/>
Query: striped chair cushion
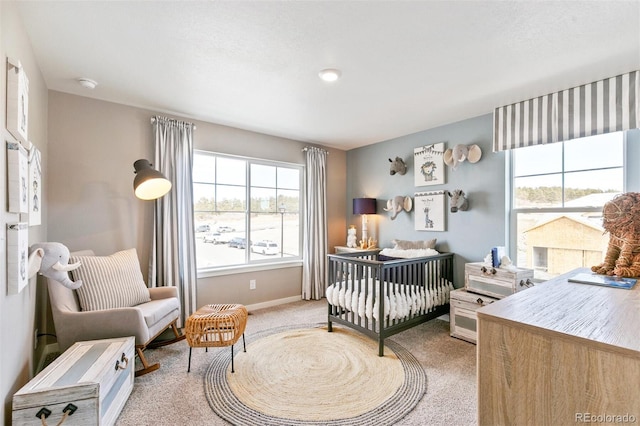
<point x="109" y="282"/>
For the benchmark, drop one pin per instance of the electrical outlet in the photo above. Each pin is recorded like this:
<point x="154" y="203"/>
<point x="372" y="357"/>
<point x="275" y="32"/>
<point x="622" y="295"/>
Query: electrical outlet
<point x="252" y="284"/>
<point x="35" y="339"/>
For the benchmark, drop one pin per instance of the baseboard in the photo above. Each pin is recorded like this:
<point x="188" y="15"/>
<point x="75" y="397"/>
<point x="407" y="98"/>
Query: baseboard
<point x="48" y="349"/>
<point x="272" y="303"/>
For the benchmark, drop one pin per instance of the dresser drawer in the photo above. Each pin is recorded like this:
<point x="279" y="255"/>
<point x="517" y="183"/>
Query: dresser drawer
<point x="462" y="313"/>
<point x="95" y="377"/>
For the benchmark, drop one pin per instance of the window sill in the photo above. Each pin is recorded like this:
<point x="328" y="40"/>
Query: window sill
<point x="241" y="269"/>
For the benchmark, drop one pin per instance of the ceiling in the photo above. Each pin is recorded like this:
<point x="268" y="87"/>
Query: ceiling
<point x="407" y="66"/>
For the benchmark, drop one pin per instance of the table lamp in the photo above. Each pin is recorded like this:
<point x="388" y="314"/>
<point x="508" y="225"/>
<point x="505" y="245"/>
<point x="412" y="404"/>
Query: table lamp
<point x="364" y="206"/>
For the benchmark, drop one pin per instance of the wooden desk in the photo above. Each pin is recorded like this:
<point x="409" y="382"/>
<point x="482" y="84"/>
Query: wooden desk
<point x="560" y="353"/>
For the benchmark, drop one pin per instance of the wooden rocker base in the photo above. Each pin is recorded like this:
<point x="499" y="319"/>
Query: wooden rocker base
<point x="179" y="337"/>
<point x="146" y="368"/>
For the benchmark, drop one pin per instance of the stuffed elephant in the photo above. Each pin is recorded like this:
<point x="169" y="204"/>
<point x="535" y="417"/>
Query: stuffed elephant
<point x="397" y="204"/>
<point x="52" y="261"/>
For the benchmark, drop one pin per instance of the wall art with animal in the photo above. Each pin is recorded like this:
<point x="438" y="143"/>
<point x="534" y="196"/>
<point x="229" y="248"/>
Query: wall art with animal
<point x="429" y="211"/>
<point x="397" y="166"/>
<point x="397" y="204"/>
<point x="458" y="201"/>
<point x="428" y="165"/>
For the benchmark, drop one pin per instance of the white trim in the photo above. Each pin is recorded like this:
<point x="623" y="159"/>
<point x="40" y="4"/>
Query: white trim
<point x="244" y="268"/>
<point x="272" y="303"/>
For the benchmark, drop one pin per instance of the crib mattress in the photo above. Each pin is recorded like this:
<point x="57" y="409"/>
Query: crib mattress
<point x="402" y="300"/>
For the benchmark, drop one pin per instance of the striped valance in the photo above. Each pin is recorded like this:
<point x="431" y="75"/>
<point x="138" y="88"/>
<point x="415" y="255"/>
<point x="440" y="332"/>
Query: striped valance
<point x="608" y="105"/>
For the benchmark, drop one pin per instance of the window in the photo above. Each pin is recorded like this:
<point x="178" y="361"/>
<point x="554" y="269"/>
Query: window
<point x="558" y="191"/>
<point x="247" y="211"/>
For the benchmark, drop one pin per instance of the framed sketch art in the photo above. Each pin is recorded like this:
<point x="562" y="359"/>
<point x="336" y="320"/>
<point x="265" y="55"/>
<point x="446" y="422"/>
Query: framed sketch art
<point x="429" y="211"/>
<point x="17" y="100"/>
<point x="18" y="175"/>
<point x="17" y="257"/>
<point x="35" y="186"/>
<point x="428" y="165"/>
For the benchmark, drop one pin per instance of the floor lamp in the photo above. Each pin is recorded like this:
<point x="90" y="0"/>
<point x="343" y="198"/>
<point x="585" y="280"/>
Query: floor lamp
<point x="364" y="206"/>
<point x="149" y="184"/>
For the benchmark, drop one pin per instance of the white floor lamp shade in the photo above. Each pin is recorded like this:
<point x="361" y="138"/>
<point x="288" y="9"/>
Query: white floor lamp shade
<point x="149" y="184"/>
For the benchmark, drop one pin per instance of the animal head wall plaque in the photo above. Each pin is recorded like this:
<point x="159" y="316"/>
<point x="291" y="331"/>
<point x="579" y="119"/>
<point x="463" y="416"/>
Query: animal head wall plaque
<point x="397" y="166"/>
<point x="458" y="201"/>
<point x="397" y="204"/>
<point x="460" y="153"/>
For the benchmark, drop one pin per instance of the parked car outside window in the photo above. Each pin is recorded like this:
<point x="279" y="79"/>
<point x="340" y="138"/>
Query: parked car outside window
<point x="203" y="228"/>
<point x="265" y="247"/>
<point x="238" y="242"/>
<point x="216" y="238"/>
<point x="225" y="229"/>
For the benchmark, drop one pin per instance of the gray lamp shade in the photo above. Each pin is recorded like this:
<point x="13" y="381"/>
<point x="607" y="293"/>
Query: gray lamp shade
<point x="364" y="206"/>
<point x="149" y="183"/>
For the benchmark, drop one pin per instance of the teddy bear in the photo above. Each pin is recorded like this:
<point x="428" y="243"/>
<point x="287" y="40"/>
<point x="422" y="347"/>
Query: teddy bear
<point x="351" y="237"/>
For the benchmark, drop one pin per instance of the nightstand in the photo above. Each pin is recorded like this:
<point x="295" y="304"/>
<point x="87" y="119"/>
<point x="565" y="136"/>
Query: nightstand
<point x="345" y="249"/>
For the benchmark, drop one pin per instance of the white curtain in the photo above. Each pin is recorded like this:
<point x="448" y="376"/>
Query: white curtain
<point x="314" y="271"/>
<point x="173" y="256"/>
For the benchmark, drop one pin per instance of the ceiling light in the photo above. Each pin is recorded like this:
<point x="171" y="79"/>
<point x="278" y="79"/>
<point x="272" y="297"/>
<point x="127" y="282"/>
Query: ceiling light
<point x="329" y="74"/>
<point x="87" y="83"/>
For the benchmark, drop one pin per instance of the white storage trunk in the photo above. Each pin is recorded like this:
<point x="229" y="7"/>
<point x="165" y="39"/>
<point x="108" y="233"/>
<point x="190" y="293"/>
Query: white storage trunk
<point x="496" y="282"/>
<point x="462" y="313"/>
<point x="95" y="376"/>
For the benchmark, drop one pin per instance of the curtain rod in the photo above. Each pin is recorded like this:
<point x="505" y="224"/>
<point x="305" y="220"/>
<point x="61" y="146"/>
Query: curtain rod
<point x="153" y="120"/>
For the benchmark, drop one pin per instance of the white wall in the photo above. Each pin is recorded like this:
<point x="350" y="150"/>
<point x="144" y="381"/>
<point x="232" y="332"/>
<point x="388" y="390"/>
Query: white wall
<point x="18" y="317"/>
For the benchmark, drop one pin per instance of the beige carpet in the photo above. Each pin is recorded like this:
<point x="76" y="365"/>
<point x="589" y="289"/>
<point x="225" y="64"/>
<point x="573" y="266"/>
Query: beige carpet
<point x="304" y="375"/>
<point x="171" y="396"/>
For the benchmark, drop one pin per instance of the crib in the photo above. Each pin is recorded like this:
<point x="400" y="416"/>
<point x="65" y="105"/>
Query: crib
<point x="381" y="296"/>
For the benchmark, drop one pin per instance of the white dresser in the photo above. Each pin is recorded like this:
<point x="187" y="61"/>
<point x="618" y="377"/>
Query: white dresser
<point x="91" y="381"/>
<point x="483" y="285"/>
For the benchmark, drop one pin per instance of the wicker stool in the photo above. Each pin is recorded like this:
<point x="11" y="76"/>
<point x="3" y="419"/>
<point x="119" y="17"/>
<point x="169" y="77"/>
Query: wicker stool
<point x="215" y="326"/>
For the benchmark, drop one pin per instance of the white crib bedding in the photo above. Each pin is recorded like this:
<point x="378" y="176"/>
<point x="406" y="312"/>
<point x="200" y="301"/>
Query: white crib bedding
<point x="403" y="300"/>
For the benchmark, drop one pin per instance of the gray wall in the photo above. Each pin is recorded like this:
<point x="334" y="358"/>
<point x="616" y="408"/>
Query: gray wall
<point x="471" y="234"/>
<point x="18" y="318"/>
<point x="93" y="145"/>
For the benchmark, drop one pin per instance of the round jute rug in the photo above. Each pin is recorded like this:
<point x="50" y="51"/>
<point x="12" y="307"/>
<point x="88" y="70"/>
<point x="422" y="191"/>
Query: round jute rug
<point x="304" y="375"/>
